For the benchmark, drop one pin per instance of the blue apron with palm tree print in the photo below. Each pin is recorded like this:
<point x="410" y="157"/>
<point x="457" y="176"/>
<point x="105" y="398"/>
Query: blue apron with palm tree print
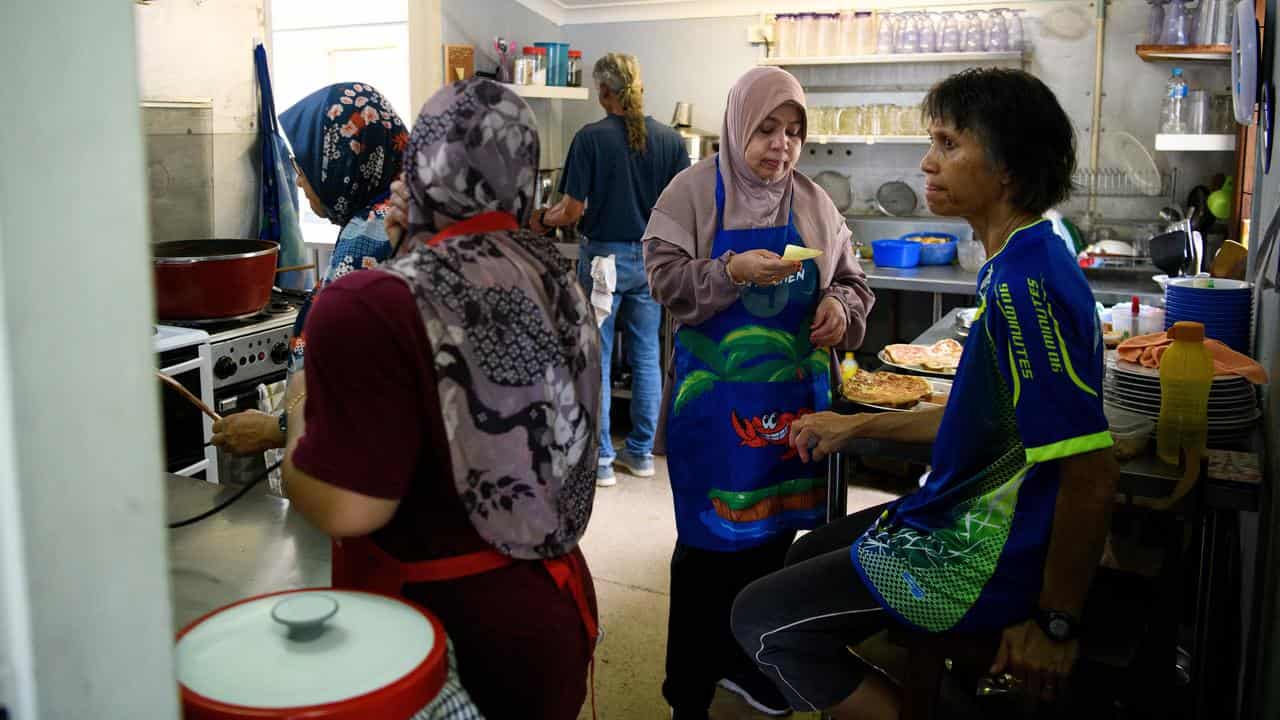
<point x="741" y="378"/>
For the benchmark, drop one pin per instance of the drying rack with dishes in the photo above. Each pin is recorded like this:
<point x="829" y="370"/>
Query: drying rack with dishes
<point x="1233" y="401"/>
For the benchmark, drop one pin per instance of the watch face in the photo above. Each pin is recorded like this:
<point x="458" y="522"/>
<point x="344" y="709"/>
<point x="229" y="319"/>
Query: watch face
<point x="1059" y="629"/>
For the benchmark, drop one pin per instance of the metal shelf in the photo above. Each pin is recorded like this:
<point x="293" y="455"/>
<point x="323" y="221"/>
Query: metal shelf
<point x="898" y="58"/>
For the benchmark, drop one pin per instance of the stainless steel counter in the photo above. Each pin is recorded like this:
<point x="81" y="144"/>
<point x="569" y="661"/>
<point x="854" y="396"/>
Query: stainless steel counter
<point x="255" y="546"/>
<point x="953" y="280"/>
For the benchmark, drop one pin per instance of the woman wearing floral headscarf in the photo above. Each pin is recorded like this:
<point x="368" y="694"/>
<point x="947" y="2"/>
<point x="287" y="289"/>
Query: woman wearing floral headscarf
<point x="449" y="430"/>
<point x="348" y="144"/>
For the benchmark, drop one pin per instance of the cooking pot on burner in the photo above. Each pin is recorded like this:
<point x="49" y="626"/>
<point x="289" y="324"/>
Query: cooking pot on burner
<point x="210" y="280"/>
<point x="320" y="654"/>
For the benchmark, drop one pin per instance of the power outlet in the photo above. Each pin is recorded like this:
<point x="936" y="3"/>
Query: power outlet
<point x="760" y="34"/>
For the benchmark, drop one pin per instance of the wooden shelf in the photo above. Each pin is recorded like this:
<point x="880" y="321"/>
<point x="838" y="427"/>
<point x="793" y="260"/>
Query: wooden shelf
<point x="1185" y="53"/>
<point x="868" y="139"/>
<point x="1196" y="143"/>
<point x="550" y="92"/>
<point x="890" y="58"/>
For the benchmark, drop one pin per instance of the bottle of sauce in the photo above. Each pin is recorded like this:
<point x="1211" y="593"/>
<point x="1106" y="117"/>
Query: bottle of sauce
<point x="1186" y="374"/>
<point x="848" y="368"/>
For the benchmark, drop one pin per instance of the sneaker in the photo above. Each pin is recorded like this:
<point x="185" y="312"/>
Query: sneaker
<point x="638" y="466"/>
<point x="605" y="476"/>
<point x="759" y="693"/>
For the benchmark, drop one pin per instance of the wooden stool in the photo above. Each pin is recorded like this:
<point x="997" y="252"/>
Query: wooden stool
<point x="927" y="654"/>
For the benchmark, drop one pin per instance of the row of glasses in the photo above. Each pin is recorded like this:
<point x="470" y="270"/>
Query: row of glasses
<point x="998" y="30"/>
<point x="875" y="120"/>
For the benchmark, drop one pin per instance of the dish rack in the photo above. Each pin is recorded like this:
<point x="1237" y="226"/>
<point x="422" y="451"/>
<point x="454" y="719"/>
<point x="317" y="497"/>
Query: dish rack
<point x="1122" y="183"/>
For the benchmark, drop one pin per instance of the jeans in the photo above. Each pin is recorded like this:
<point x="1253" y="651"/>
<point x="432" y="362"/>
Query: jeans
<point x="640" y="317"/>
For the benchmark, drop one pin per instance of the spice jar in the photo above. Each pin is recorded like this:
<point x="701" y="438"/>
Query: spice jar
<point x="523" y="67"/>
<point x="536" y="58"/>
<point x="575" y="68"/>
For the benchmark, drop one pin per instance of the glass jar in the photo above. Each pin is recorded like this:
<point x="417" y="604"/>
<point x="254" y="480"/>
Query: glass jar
<point x="784" y="35"/>
<point x="1013" y="19"/>
<point x="865" y="29"/>
<point x="575" y="68"/>
<point x="997" y="31"/>
<point x="524" y="67"/>
<point x="908" y="40"/>
<point x="807" y="35"/>
<point x="974" y="33"/>
<point x="952" y="40"/>
<point x="539" y="65"/>
<point x="848" y="33"/>
<point x="828" y="35"/>
<point x="928" y="32"/>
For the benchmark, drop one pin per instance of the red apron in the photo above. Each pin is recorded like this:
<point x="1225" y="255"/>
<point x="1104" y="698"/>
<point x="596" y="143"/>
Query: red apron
<point x="359" y="564"/>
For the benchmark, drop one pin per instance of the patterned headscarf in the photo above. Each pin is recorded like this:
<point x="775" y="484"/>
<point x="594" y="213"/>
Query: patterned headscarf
<point x="516" y="350"/>
<point x="348" y="142"/>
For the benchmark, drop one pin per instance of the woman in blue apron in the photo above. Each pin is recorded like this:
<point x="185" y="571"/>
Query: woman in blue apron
<point x="752" y="354"/>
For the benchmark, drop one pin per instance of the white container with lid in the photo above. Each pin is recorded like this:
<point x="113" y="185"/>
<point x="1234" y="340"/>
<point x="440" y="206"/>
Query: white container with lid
<point x="322" y="654"/>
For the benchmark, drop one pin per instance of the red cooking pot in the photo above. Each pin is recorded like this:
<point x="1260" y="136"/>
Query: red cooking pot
<point x="213" y="279"/>
<point x="319" y="654"/>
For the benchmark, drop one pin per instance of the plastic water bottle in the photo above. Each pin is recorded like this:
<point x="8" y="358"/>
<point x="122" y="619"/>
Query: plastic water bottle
<point x="1173" y="116"/>
<point x="1186" y="375"/>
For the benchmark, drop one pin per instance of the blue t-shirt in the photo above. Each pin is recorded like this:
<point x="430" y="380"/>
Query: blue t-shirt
<point x="619" y="186"/>
<point x="967" y="551"/>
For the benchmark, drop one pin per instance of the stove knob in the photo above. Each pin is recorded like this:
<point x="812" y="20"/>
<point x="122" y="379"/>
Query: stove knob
<point x="280" y="354"/>
<point x="224" y="368"/>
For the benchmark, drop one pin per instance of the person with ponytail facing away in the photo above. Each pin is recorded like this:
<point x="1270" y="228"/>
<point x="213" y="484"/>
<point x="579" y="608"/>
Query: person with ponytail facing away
<point x="615" y="170"/>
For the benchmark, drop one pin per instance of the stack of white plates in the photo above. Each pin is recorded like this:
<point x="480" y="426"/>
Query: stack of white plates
<point x="1233" y="403"/>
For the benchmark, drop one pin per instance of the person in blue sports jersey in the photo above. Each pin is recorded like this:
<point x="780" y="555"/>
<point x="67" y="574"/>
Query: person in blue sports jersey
<point x="1007" y="531"/>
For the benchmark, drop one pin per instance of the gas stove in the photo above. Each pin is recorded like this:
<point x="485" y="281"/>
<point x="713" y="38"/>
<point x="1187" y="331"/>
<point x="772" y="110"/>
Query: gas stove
<point x="253" y="349"/>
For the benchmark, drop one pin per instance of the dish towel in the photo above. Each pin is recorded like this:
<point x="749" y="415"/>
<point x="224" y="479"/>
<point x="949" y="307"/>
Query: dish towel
<point x="278" y="200"/>
<point x="1146" y="350"/>
<point x="604" y="280"/>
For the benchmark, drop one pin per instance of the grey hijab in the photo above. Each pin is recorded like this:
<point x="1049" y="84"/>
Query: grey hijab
<point x="516" y="353"/>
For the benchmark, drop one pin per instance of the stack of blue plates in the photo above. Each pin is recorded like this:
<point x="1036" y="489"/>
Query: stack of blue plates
<point x="1226" y="309"/>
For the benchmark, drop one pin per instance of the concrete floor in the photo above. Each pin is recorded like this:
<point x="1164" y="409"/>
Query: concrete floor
<point x="628" y="546"/>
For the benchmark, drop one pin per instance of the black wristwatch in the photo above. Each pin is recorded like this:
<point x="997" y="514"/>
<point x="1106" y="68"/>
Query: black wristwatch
<point x="284" y="423"/>
<point x="1059" y="626"/>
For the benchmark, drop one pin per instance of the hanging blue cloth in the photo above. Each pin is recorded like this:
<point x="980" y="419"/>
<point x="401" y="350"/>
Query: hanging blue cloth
<point x="277" y="201"/>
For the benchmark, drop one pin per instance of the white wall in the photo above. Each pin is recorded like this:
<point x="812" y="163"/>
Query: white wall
<point x="204" y="49"/>
<point x="84" y="407"/>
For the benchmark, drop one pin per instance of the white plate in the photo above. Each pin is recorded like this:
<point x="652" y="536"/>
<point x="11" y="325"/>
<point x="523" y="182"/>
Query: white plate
<point x="940" y="387"/>
<point x="1189" y="283"/>
<point x="1215" y="423"/>
<point x="915" y="369"/>
<point x="1127" y="368"/>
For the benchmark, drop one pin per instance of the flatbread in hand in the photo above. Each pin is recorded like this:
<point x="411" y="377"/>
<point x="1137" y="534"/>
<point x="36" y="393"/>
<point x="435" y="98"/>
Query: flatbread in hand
<point x="799" y="253"/>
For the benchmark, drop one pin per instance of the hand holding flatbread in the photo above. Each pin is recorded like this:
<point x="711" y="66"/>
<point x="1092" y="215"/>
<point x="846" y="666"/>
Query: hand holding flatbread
<point x="799" y="253"/>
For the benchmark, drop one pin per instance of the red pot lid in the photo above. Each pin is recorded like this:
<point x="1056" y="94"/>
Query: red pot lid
<point x="334" y="654"/>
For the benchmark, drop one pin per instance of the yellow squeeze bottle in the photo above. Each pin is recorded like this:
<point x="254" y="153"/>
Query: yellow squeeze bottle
<point x="849" y="367"/>
<point x="1186" y="374"/>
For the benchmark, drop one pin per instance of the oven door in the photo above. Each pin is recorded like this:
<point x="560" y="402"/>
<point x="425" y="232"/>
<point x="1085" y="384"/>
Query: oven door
<point x="183" y="423"/>
<point x="238" y="398"/>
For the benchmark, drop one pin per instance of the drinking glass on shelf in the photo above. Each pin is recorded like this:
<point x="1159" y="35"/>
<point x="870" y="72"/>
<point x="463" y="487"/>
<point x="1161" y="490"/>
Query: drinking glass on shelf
<point x="886" y="33"/>
<point x="1198" y="122"/>
<point x="828" y="34"/>
<point x="865" y="27"/>
<point x="851" y="120"/>
<point x="819" y="121"/>
<point x="1013" y="21"/>
<point x="784" y="31"/>
<point x="952" y="38"/>
<point x="848" y="32"/>
<point x="929" y="31"/>
<point x="973" y="33"/>
<point x="1222" y="117"/>
<point x="1177" y="24"/>
<point x="908" y="34"/>
<point x="997" y="31"/>
<point x="806" y="34"/>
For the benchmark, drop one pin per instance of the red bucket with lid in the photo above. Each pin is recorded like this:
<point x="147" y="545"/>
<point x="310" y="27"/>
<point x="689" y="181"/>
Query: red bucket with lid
<point x="315" y="654"/>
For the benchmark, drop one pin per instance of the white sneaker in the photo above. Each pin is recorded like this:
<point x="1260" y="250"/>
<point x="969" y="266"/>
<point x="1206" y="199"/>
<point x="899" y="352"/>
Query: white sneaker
<point x="638" y="466"/>
<point x="605" y="476"/>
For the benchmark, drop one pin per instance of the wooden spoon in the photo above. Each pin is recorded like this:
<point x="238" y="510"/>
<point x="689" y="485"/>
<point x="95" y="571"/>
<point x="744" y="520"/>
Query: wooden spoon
<point x="293" y="268"/>
<point x="187" y="394"/>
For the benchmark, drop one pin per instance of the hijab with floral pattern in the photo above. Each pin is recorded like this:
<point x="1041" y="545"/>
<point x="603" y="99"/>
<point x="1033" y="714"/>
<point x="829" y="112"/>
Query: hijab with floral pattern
<point x="348" y="142"/>
<point x="515" y="348"/>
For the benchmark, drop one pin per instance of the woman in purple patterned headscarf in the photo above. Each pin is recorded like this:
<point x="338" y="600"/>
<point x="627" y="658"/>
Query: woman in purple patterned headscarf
<point x="450" y="422"/>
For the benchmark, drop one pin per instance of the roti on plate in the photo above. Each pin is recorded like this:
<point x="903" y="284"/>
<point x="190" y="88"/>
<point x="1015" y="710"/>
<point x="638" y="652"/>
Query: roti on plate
<point x="887" y="389"/>
<point x="942" y="356"/>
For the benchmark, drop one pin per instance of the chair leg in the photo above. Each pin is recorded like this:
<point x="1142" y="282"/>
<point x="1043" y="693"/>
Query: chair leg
<point x="923" y="682"/>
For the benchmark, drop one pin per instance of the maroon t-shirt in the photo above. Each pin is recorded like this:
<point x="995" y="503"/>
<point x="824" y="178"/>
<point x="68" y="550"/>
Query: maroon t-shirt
<point x="374" y="427"/>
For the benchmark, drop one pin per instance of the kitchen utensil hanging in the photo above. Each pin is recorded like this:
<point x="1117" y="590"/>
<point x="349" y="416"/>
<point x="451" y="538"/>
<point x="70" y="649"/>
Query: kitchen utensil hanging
<point x="837" y="188"/>
<point x="1244" y="63"/>
<point x="896" y="199"/>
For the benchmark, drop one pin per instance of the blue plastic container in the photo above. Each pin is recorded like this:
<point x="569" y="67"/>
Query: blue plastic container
<point x="896" y="253"/>
<point x="557" y="62"/>
<point x="935" y="253"/>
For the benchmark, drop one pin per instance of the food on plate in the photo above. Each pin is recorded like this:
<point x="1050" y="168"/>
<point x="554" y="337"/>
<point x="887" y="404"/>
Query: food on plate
<point x="887" y="389"/>
<point x="798" y="253"/>
<point x="942" y="356"/>
<point x="803" y="495"/>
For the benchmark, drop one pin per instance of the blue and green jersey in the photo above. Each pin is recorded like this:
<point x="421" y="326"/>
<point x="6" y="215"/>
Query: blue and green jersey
<point x="966" y="552"/>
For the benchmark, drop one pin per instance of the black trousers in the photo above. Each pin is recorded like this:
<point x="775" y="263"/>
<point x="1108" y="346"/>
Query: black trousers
<point x="701" y="648"/>
<point x="798" y="623"/>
